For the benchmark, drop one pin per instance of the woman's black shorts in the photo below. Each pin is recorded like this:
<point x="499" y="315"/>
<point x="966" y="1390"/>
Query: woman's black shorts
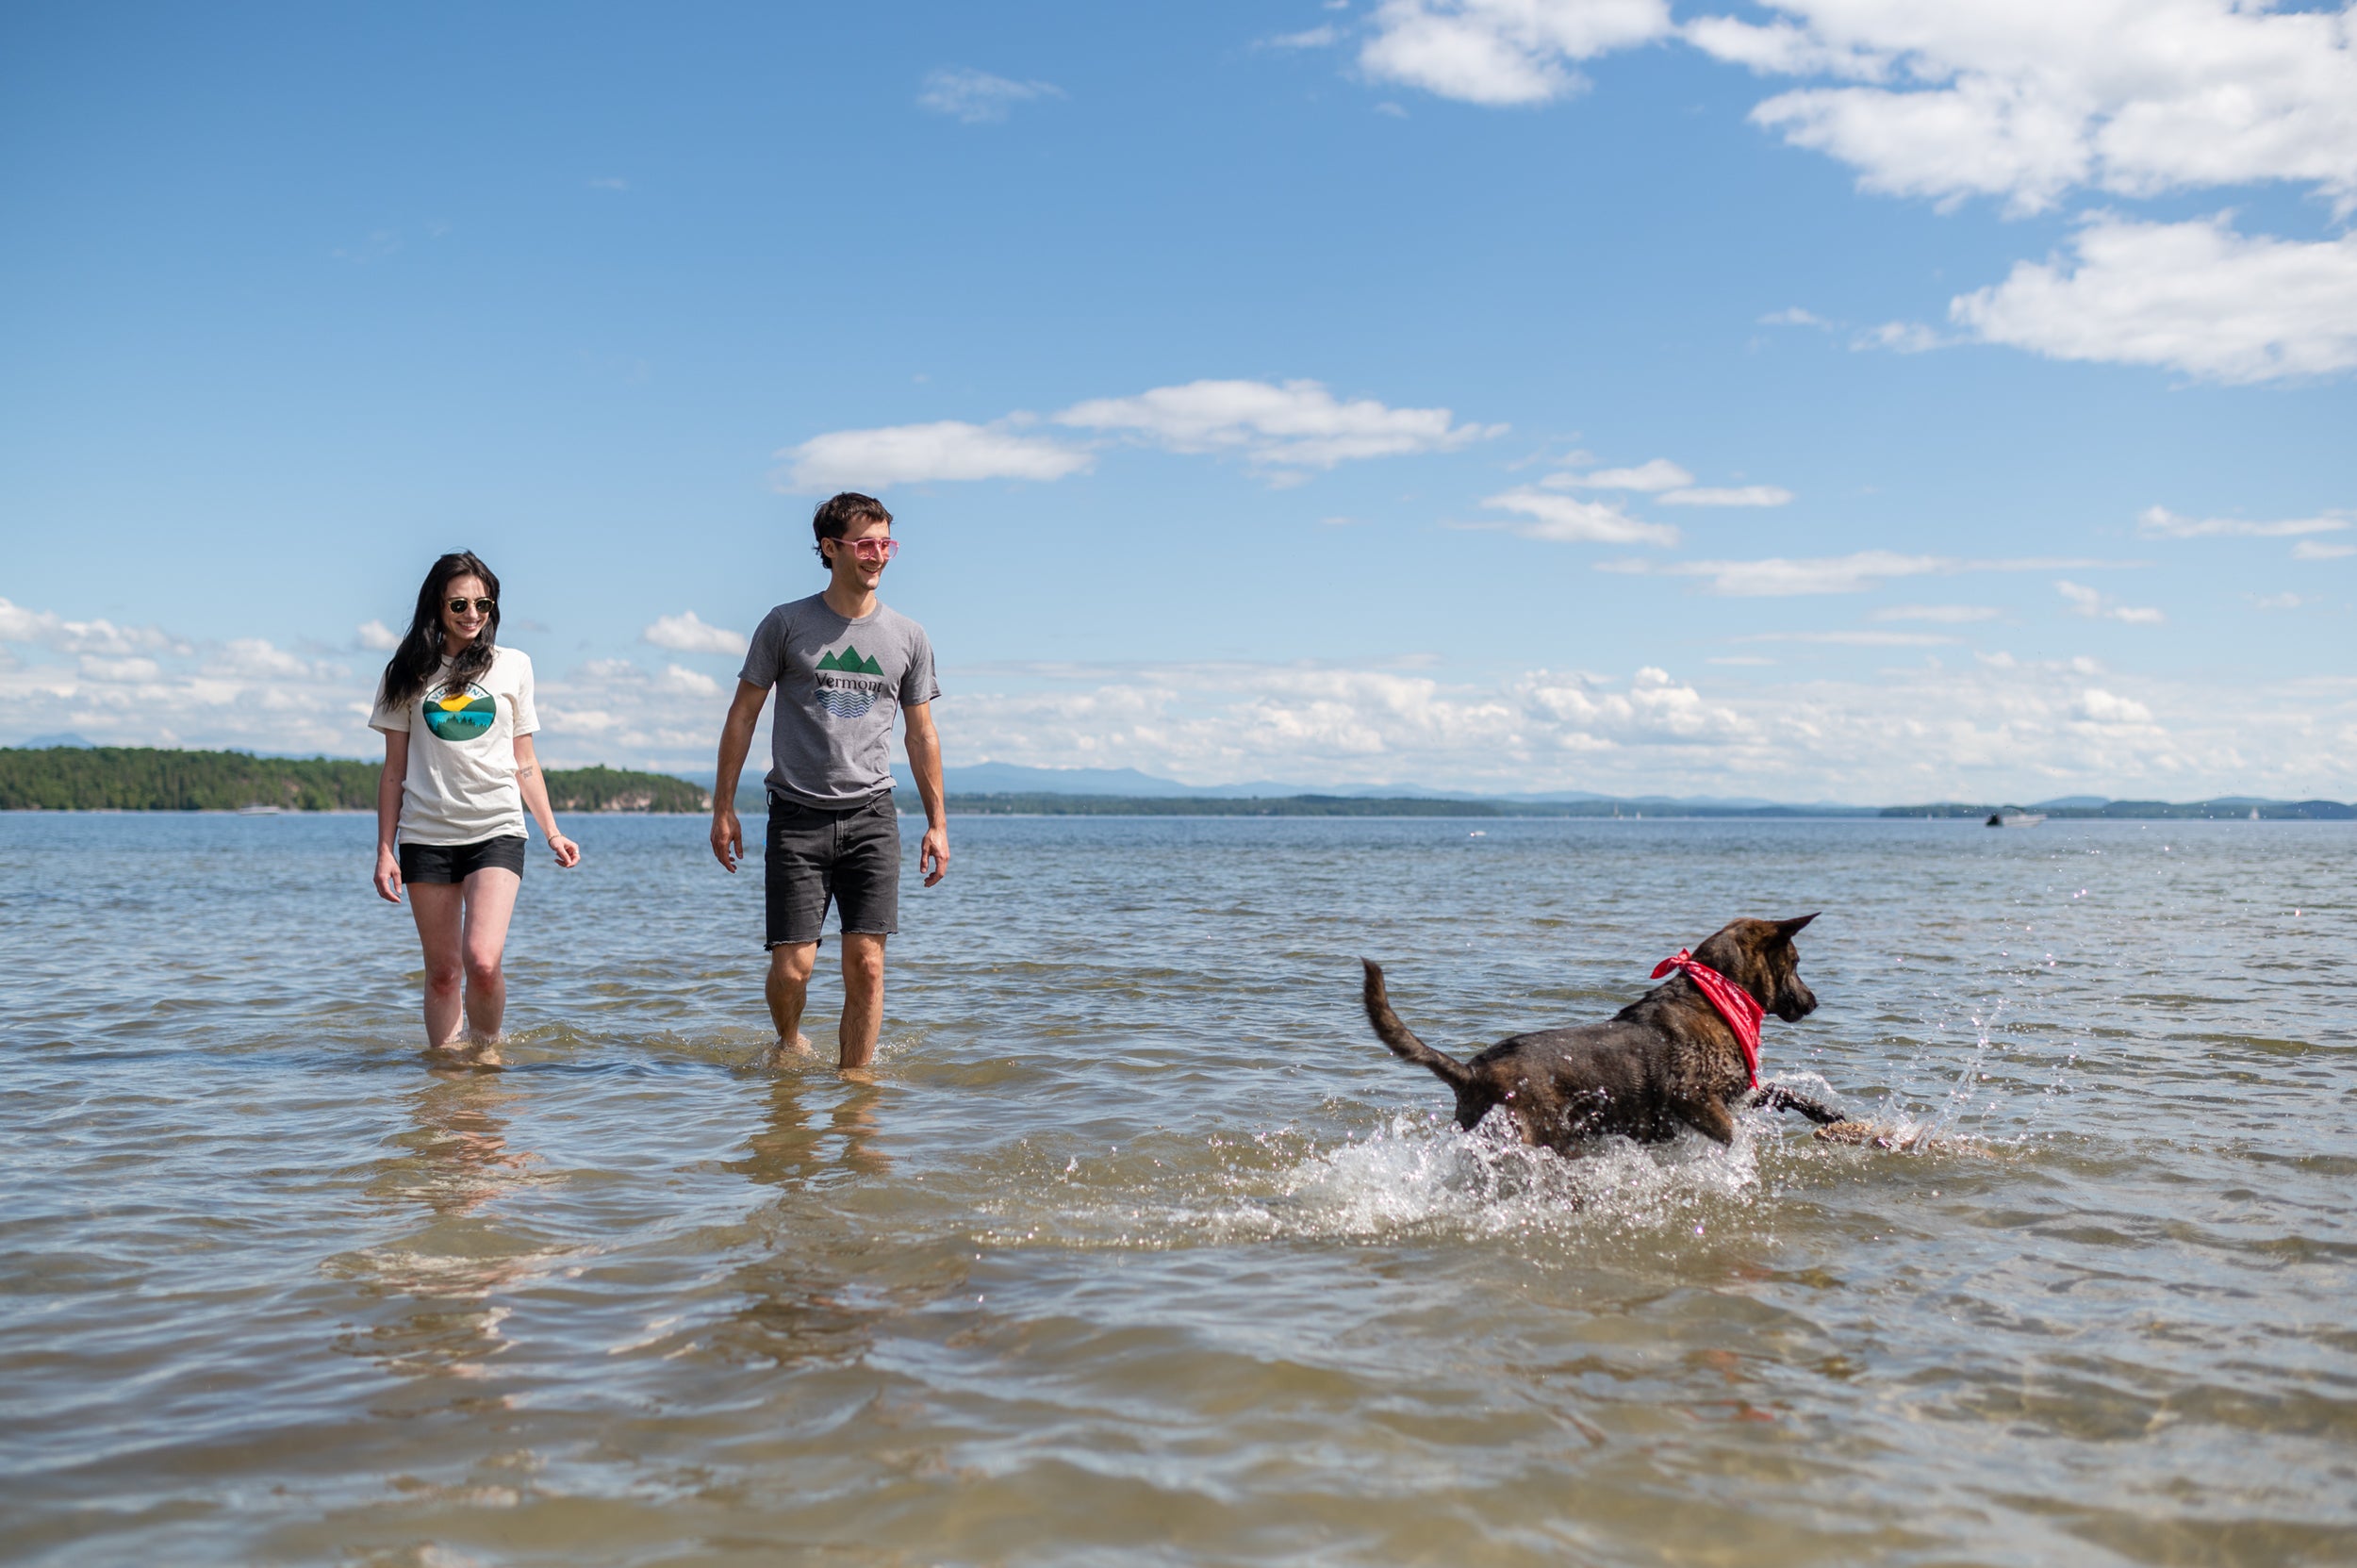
<point x="852" y="857"/>
<point x="439" y="863"/>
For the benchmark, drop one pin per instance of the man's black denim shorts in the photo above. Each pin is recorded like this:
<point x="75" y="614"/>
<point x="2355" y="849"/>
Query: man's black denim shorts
<point x="850" y="856"/>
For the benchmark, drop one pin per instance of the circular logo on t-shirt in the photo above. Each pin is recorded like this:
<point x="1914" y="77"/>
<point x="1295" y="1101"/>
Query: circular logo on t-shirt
<point x="460" y="713"/>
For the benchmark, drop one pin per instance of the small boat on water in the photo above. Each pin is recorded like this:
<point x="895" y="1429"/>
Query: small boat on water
<point x="261" y="811"/>
<point x="2014" y="819"/>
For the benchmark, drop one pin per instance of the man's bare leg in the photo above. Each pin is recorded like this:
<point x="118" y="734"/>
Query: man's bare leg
<point x="787" y="988"/>
<point x="862" y="996"/>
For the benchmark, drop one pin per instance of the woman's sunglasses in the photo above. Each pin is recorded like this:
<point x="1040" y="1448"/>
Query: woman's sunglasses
<point x="482" y="606"/>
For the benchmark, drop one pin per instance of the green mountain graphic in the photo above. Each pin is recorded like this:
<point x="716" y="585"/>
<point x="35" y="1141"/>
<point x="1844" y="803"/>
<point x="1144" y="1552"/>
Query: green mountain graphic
<point x="850" y="662"/>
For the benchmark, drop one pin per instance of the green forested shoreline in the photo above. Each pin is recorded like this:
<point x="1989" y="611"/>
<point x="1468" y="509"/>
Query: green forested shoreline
<point x="141" y="778"/>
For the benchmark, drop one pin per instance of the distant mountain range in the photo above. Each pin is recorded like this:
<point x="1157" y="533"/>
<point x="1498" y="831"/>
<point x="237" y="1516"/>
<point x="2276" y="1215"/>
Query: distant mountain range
<point x="1006" y="778"/>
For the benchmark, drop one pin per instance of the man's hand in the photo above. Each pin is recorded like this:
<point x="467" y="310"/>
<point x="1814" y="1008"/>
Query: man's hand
<point x="388" y="876"/>
<point x="932" y="857"/>
<point x="736" y="737"/>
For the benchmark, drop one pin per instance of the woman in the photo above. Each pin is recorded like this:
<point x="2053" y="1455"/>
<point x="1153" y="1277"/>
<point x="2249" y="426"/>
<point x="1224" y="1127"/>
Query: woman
<point x="460" y="771"/>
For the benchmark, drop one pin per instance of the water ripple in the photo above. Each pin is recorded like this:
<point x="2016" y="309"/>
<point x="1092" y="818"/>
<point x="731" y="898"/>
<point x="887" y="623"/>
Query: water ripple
<point x="1139" y="1249"/>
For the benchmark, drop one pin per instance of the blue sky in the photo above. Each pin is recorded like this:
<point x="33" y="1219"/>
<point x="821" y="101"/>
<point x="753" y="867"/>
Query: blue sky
<point x="1815" y="400"/>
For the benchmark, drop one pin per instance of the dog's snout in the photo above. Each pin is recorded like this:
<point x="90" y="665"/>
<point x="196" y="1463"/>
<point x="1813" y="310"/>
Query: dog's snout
<point x="1797" y="1003"/>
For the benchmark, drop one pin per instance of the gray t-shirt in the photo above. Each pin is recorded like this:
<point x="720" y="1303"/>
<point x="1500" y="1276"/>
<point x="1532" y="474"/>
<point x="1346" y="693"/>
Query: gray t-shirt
<point x="839" y="684"/>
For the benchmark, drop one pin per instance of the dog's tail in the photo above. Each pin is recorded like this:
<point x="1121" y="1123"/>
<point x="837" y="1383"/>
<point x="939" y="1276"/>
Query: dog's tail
<point x="1400" y="1037"/>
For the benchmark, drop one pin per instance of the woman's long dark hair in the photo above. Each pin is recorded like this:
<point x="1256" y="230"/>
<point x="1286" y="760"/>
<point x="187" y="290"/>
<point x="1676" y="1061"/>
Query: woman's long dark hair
<point x="419" y="654"/>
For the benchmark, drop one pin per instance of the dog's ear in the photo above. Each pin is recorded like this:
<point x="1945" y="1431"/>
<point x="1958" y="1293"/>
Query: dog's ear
<point x="1793" y="928"/>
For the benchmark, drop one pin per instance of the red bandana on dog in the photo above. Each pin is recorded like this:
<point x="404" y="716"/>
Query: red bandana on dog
<point x="1732" y="1001"/>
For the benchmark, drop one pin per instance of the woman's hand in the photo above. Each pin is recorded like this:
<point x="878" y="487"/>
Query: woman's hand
<point x="567" y="853"/>
<point x="388" y="788"/>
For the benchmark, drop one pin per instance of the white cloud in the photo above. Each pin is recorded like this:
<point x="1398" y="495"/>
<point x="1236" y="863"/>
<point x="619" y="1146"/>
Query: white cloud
<point x="376" y="634"/>
<point x="1777" y="577"/>
<point x="117" y="670"/>
<point x="1941" y="615"/>
<point x="1901" y="338"/>
<point x="1777" y="49"/>
<point x="148" y="687"/>
<point x="2161" y="523"/>
<point x="1288" y="424"/>
<point x="1669" y="483"/>
<point x="686" y="634"/>
<point x="2316" y="550"/>
<point x="1570" y="521"/>
<point x="1503" y="51"/>
<point x="2098" y="706"/>
<point x="2195" y="297"/>
<point x="1287" y="428"/>
<point x="1742" y="495"/>
<point x="2026" y="100"/>
<point x="1794" y="316"/>
<point x="46" y="629"/>
<point x="144" y="686"/>
<point x="682" y="681"/>
<point x="1308" y="38"/>
<point x="613" y="711"/>
<point x="916" y="454"/>
<point x="2001" y="728"/>
<point x="2279" y="600"/>
<point x="1857" y="640"/>
<point x="1658" y="474"/>
<point x="2022" y="100"/>
<point x="255" y="658"/>
<point x="2087" y="602"/>
<point x="977" y="97"/>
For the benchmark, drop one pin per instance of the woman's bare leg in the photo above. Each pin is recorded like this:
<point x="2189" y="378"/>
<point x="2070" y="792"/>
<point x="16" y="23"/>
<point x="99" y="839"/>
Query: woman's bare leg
<point x="439" y="907"/>
<point x="490" y="896"/>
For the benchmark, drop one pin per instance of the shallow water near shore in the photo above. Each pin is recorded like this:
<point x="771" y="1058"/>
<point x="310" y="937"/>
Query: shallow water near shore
<point x="1140" y="1249"/>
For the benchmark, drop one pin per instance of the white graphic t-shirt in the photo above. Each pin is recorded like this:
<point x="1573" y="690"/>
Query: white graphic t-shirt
<point x="461" y="785"/>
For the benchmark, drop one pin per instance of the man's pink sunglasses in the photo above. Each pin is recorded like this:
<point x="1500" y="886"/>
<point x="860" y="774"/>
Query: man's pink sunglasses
<point x="864" y="549"/>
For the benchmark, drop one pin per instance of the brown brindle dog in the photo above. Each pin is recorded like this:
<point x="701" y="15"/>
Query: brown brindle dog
<point x="1666" y="1060"/>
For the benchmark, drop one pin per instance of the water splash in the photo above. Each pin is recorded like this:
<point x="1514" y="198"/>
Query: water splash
<point x="1411" y="1177"/>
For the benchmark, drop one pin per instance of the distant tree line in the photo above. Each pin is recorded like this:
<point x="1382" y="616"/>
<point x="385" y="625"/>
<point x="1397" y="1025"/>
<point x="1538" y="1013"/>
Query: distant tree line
<point x="2135" y="811"/>
<point x="1046" y="804"/>
<point x="141" y="778"/>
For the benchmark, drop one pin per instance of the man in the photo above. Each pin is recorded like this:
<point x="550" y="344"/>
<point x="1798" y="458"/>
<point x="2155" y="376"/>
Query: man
<point x="843" y="664"/>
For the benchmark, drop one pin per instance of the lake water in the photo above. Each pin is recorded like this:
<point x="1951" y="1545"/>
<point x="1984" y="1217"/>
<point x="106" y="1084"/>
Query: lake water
<point x="1140" y="1249"/>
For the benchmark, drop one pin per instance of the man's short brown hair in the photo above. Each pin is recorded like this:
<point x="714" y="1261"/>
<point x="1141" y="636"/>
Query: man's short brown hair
<point x="837" y="514"/>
